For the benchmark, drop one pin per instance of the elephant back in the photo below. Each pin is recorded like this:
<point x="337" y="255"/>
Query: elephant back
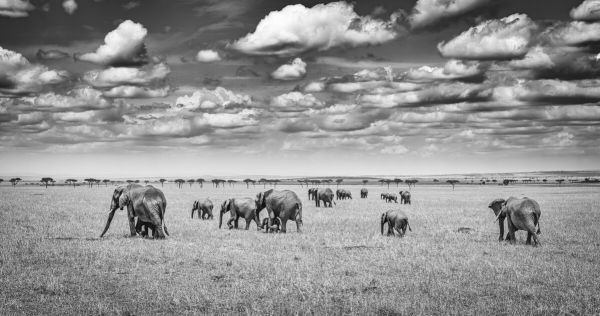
<point x="284" y="203"/>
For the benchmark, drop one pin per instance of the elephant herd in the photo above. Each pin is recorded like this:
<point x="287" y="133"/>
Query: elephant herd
<point x="148" y="204"/>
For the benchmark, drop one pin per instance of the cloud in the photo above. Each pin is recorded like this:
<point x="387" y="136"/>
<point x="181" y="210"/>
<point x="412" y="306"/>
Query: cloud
<point x="506" y="38"/>
<point x="571" y="34"/>
<point x="19" y="76"/>
<point x="453" y="69"/>
<point x="549" y="92"/>
<point x="124" y="46"/>
<point x="208" y="56"/>
<point x="536" y="58"/>
<point x="430" y="12"/>
<point x="116" y="76"/>
<point x="210" y="99"/>
<point x="70" y="6"/>
<point x="131" y="5"/>
<point x="15" y="8"/>
<point x="246" y="117"/>
<point x="296" y="29"/>
<point x="52" y="54"/>
<point x="136" y="92"/>
<point x="81" y="98"/>
<point x="295" y="102"/>
<point x="292" y="71"/>
<point x="588" y="10"/>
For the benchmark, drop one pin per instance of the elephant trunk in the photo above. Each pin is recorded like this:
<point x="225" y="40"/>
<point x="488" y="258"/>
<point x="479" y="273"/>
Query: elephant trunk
<point x="111" y="214"/>
<point x="383" y="219"/>
<point x="220" y="218"/>
<point x="193" y="213"/>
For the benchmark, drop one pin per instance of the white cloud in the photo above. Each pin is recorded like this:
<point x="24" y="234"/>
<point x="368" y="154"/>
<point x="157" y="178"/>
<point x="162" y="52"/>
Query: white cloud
<point x="70" y="6"/>
<point x="15" y="8"/>
<point x="116" y="76"/>
<point x="136" y="92"/>
<point x="394" y="150"/>
<point x="536" y="58"/>
<point x="571" y="34"/>
<point x="296" y="29"/>
<point x="209" y="99"/>
<point x="588" y="10"/>
<point x="245" y="117"/>
<point x="547" y="90"/>
<point x="316" y="86"/>
<point x="122" y="46"/>
<point x="508" y="37"/>
<point x="208" y="56"/>
<point x="295" y="102"/>
<point x="453" y="69"/>
<point x="77" y="98"/>
<point x="292" y="71"/>
<point x="429" y="12"/>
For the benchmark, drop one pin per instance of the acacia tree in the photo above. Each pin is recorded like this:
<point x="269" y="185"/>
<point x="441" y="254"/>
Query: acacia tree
<point x="97" y="181"/>
<point x="397" y="181"/>
<point x="179" y="182"/>
<point x="436" y="180"/>
<point x="46" y="181"/>
<point x="560" y="181"/>
<point x="200" y="182"/>
<point x="146" y="181"/>
<point x="162" y="182"/>
<point x="382" y="181"/>
<point x="275" y="181"/>
<point x="411" y="182"/>
<point x="337" y="182"/>
<point x="15" y="181"/>
<point x="365" y="181"/>
<point x="247" y="181"/>
<point x="191" y="181"/>
<point x="231" y="183"/>
<point x="452" y="182"/>
<point x="71" y="181"/>
<point x="1" y="180"/>
<point x="264" y="182"/>
<point x="106" y="181"/>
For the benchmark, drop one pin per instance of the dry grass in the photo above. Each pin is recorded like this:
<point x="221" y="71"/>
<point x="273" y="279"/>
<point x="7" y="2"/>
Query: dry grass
<point x="51" y="261"/>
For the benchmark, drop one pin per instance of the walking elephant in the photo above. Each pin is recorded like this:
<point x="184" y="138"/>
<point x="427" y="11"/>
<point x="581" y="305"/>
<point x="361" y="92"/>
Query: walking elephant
<point x="396" y="220"/>
<point x="404" y="197"/>
<point x="364" y="193"/>
<point x="244" y="207"/>
<point x="384" y="196"/>
<point x="147" y="203"/>
<point x="204" y="209"/>
<point x="284" y="205"/>
<point x="521" y="214"/>
<point x="312" y="193"/>
<point x="391" y="197"/>
<point x="325" y="195"/>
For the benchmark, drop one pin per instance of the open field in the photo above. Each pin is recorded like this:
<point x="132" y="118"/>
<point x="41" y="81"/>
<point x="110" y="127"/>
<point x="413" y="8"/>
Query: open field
<point x="52" y="262"/>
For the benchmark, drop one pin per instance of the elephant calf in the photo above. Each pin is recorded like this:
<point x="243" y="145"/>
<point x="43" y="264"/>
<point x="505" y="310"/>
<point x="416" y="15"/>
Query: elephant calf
<point x="364" y="193"/>
<point x="274" y="228"/>
<point x="391" y="197"/>
<point x="404" y="197"/>
<point x="521" y="214"/>
<point x="244" y="207"/>
<point x="397" y="221"/>
<point x="204" y="208"/>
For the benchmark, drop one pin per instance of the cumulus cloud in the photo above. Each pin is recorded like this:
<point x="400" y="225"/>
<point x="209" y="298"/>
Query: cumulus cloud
<point x="116" y="76"/>
<point x="52" y="54"/>
<point x="15" y="8"/>
<point x="210" y="99"/>
<point x="549" y="92"/>
<point x="296" y="29"/>
<point x="208" y="56"/>
<point x="124" y="46"/>
<point x="246" y="117"/>
<point x="295" y="70"/>
<point x="70" y="6"/>
<point x="509" y="37"/>
<point x="536" y="58"/>
<point x="453" y="69"/>
<point x="81" y="98"/>
<point x="19" y="76"/>
<point x="571" y="34"/>
<point x="430" y="12"/>
<point x="136" y="92"/>
<point x="295" y="102"/>
<point x="588" y="10"/>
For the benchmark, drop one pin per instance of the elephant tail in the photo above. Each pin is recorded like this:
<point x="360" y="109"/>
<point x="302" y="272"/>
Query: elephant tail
<point x="161" y="213"/>
<point x="407" y="224"/>
<point x="383" y="218"/>
<point x="537" y="222"/>
<point x="299" y="213"/>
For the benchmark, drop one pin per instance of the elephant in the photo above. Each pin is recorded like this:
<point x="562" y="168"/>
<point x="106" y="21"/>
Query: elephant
<point x="275" y="228"/>
<point x="244" y="207"/>
<point x="522" y="214"/>
<point x="284" y="205"/>
<point x="312" y="192"/>
<point x="396" y="220"/>
<point x="147" y="203"/>
<point x="142" y="227"/>
<point x="384" y="196"/>
<point x="342" y="194"/>
<point x="325" y="195"/>
<point x="391" y="197"/>
<point x="404" y="197"/>
<point x="338" y="194"/>
<point x="204" y="208"/>
<point x="364" y="193"/>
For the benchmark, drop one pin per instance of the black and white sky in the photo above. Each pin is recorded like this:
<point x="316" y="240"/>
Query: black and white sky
<point x="226" y="87"/>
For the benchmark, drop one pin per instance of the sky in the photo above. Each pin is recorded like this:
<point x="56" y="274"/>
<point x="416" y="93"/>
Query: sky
<point x="300" y="88"/>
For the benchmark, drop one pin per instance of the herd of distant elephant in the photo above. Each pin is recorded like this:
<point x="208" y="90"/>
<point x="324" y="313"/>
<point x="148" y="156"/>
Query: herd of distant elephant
<point x="148" y="205"/>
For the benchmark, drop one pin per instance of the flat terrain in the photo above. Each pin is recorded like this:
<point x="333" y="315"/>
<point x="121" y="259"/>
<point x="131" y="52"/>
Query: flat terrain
<point x="52" y="261"/>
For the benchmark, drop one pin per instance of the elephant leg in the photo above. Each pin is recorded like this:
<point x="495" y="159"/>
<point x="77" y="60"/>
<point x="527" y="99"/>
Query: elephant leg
<point x="248" y="220"/>
<point x="229" y="222"/>
<point x="283" y="225"/>
<point x="528" y="242"/>
<point x="236" y="222"/>
<point x="257" y="220"/>
<point x="511" y="230"/>
<point x="501" y="225"/>
<point x="298" y="225"/>
<point x="131" y="218"/>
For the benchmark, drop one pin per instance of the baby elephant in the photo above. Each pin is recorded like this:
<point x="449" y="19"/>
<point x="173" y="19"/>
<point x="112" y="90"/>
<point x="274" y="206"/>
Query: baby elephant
<point x="391" y="197"/>
<point x="396" y="220"/>
<point x="204" y="208"/>
<point x="273" y="228"/>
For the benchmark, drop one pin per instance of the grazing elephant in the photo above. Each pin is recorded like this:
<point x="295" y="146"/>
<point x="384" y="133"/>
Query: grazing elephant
<point x="275" y="228"/>
<point x="396" y="220"/>
<point x="244" y="207"/>
<point x="284" y="205"/>
<point x="338" y="194"/>
<point x="391" y="197"/>
<point x="384" y="196"/>
<point x="325" y="195"/>
<point x="364" y="193"/>
<point x="147" y="203"/>
<point x="404" y="197"/>
<point x="345" y="194"/>
<point x="312" y="193"/>
<point x="521" y="214"/>
<point x="204" y="208"/>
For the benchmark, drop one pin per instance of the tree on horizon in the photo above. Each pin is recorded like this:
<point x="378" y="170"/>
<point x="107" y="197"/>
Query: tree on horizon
<point x="453" y="183"/>
<point x="162" y="182"/>
<point x="71" y="181"/>
<point x="338" y="181"/>
<point x="365" y="181"/>
<point x="191" y="182"/>
<point x="46" y="180"/>
<point x="200" y="182"/>
<point x="15" y="181"/>
<point x="106" y="181"/>
<point x="179" y="182"/>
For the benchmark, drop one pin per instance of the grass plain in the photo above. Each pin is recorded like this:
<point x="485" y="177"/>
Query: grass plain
<point x="52" y="261"/>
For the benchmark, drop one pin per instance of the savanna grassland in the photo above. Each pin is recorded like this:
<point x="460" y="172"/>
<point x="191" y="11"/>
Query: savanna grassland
<point x="52" y="261"/>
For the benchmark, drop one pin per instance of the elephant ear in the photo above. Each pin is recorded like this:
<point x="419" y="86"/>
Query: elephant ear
<point x="123" y="200"/>
<point x="195" y="206"/>
<point x="497" y="201"/>
<point x="260" y="199"/>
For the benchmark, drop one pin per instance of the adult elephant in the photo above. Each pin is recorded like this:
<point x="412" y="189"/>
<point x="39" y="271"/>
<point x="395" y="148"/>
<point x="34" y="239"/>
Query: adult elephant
<point x="325" y="195"/>
<point x="284" y="205"/>
<point x="384" y="196"/>
<point x="345" y="194"/>
<point x="312" y="193"/>
<point x="391" y="197"/>
<point x="338" y="194"/>
<point x="364" y="193"/>
<point x="204" y="208"/>
<point x="404" y="197"/>
<point x="244" y="207"/>
<point x="396" y="220"/>
<point x="147" y="203"/>
<point x="521" y="214"/>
